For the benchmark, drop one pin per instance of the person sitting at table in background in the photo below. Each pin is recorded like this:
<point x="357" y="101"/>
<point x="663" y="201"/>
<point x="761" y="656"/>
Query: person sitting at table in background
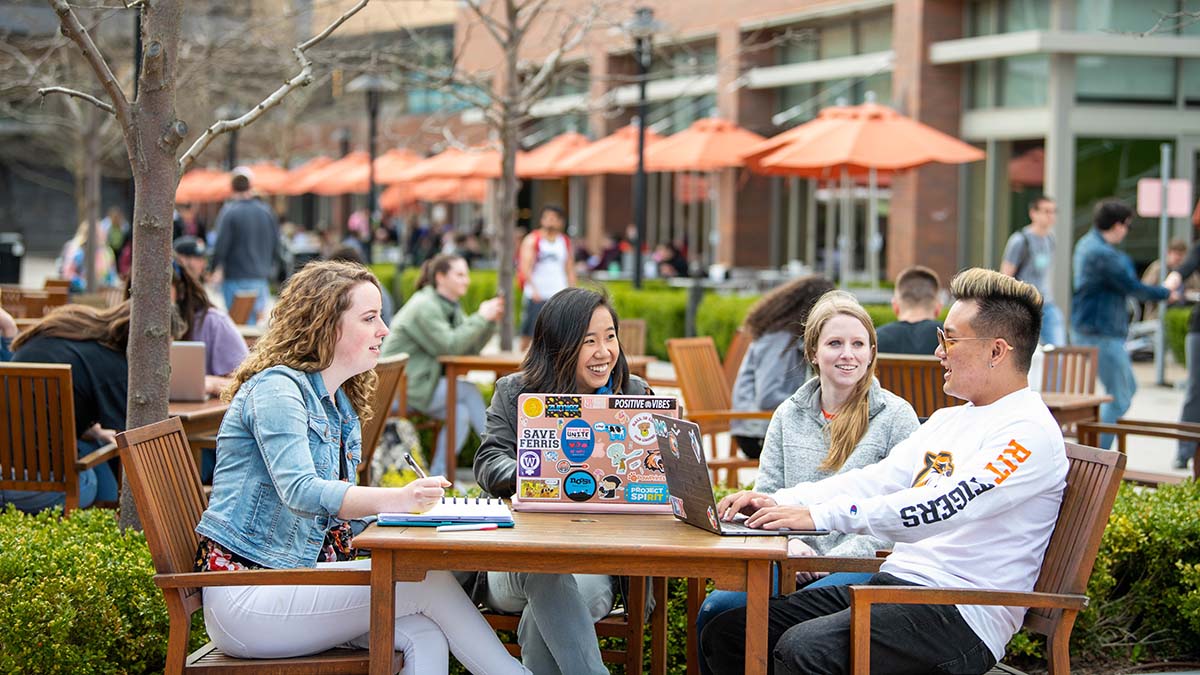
<point x="93" y="342"/>
<point x="8" y="332"/>
<point x="669" y="261"/>
<point x="575" y="350"/>
<point x="224" y="347"/>
<point x="774" y="366"/>
<point x="957" y="520"/>
<point x="432" y="324"/>
<point x="837" y="421"/>
<point x="917" y="306"/>
<point x="283" y="492"/>
<point x="192" y="253"/>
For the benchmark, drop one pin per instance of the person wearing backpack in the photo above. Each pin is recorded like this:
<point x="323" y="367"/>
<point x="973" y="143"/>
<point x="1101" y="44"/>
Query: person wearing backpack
<point x="544" y="266"/>
<point x="1028" y="255"/>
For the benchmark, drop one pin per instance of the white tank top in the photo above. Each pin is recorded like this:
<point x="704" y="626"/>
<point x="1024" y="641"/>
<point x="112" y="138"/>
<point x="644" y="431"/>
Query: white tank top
<point x="549" y="273"/>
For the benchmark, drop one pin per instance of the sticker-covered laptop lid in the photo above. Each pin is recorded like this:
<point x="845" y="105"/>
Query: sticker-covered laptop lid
<point x="590" y="453"/>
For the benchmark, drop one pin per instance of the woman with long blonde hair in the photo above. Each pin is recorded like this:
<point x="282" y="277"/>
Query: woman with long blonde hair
<point x="283" y="493"/>
<point x="839" y="420"/>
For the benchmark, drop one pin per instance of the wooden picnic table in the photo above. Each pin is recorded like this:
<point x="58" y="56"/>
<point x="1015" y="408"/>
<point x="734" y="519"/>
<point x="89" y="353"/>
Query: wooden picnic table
<point x="617" y="544"/>
<point x="199" y="418"/>
<point x="501" y="364"/>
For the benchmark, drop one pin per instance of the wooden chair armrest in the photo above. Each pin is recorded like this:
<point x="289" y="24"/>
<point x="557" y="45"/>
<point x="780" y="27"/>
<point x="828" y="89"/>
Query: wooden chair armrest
<point x="863" y="596"/>
<point x="662" y="382"/>
<point x="1087" y="430"/>
<point x="96" y="457"/>
<point x="823" y="563"/>
<point x="883" y="552"/>
<point x="699" y="416"/>
<point x="295" y="577"/>
<point x="1191" y="427"/>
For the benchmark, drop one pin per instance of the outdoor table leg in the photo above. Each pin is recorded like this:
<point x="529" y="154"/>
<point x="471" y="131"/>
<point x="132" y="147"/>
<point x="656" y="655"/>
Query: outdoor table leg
<point x="383" y="612"/>
<point x="758" y="595"/>
<point x="451" y="414"/>
<point x="695" y="596"/>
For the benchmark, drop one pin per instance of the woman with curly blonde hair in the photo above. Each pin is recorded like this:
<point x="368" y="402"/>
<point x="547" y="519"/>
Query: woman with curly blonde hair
<point x="283" y="498"/>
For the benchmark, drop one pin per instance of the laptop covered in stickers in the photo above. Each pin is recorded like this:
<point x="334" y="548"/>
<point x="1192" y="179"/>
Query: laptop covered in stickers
<point x="590" y="453"/>
<point x="689" y="491"/>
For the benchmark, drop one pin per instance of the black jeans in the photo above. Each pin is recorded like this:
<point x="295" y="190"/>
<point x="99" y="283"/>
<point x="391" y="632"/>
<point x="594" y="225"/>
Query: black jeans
<point x="751" y="446"/>
<point x="809" y="632"/>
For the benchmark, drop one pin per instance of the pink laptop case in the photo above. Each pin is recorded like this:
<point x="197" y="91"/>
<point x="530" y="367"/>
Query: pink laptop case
<point x="590" y="454"/>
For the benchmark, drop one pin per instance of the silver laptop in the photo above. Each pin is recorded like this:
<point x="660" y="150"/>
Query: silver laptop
<point x="187" y="371"/>
<point x="690" y="491"/>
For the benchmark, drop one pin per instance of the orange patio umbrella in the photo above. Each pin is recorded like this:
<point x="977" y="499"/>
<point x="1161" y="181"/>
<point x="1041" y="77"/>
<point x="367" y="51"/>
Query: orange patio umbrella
<point x="203" y="185"/>
<point x="268" y="178"/>
<point x="708" y="145"/>
<point x="454" y="190"/>
<point x="302" y="172"/>
<point x="357" y="178"/>
<point x="324" y="180"/>
<point x="455" y="163"/>
<point x="864" y="137"/>
<point x="616" y="153"/>
<point x="542" y="160"/>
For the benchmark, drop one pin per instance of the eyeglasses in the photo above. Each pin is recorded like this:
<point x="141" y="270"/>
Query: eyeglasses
<point x="945" y="342"/>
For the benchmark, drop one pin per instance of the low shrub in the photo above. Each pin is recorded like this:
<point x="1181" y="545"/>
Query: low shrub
<point x="78" y="596"/>
<point x="664" y="310"/>
<point x="721" y="315"/>
<point x="1177" y="328"/>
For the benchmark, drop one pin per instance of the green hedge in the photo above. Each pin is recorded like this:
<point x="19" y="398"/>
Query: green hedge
<point x="78" y="596"/>
<point x="1177" y="326"/>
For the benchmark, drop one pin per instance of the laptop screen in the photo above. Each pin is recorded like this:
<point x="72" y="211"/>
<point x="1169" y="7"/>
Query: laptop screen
<point x="590" y="452"/>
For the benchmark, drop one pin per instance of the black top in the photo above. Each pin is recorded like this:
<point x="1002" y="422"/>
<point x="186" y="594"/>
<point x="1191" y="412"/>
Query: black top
<point x="99" y="376"/>
<point x="905" y="337"/>
<point x="1187" y="268"/>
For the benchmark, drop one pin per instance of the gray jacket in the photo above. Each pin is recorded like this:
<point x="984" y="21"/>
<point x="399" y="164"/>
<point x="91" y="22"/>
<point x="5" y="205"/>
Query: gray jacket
<point x="496" y="460"/>
<point x="797" y="442"/>
<point x="772" y="370"/>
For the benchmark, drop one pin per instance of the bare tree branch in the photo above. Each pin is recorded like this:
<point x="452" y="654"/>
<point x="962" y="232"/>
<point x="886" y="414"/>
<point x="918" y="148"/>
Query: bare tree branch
<point x="301" y="79"/>
<point x="80" y="36"/>
<point x="106" y="107"/>
<point x="540" y="83"/>
<point x="495" y="28"/>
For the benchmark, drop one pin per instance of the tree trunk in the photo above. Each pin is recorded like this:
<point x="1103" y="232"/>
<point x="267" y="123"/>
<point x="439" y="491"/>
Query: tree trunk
<point x="91" y="196"/>
<point x="152" y="147"/>
<point x="508" y="178"/>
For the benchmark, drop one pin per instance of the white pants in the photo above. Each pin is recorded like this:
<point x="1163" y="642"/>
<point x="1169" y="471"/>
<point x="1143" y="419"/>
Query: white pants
<point x="433" y="617"/>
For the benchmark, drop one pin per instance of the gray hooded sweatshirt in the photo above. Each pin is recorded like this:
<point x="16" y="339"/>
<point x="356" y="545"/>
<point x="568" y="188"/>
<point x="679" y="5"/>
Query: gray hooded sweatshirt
<point x="797" y="442"/>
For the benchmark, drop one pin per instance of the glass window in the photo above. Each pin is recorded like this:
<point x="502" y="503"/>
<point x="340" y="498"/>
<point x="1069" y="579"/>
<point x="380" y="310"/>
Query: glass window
<point x="801" y="50"/>
<point x="982" y="87"/>
<point x="1111" y="167"/>
<point x="879" y="84"/>
<point x="983" y="18"/>
<point x="1022" y="15"/>
<point x="837" y="40"/>
<point x="1124" y="78"/>
<point x="1120" y="15"/>
<point x="875" y="33"/>
<point x="799" y="95"/>
<point x="1024" y="81"/>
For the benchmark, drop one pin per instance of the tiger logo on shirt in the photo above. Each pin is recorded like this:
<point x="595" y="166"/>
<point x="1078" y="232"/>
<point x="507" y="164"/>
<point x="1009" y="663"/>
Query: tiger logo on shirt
<point x="936" y="464"/>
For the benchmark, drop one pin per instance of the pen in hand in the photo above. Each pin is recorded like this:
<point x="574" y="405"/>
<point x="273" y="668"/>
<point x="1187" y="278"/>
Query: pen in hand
<point x="415" y="467"/>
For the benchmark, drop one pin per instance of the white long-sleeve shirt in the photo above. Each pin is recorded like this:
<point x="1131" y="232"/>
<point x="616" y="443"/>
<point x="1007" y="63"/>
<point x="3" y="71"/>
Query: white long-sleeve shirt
<point x="970" y="499"/>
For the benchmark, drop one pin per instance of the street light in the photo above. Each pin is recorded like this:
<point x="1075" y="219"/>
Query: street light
<point x="641" y="27"/>
<point x="374" y="85"/>
<point x="231" y="111"/>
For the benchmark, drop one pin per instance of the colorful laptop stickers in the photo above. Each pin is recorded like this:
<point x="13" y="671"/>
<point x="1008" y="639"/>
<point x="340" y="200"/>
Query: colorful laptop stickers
<point x="590" y="453"/>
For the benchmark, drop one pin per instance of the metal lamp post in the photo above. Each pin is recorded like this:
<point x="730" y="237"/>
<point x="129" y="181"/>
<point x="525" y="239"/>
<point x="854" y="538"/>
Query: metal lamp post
<point x="374" y="85"/>
<point x="642" y="27"/>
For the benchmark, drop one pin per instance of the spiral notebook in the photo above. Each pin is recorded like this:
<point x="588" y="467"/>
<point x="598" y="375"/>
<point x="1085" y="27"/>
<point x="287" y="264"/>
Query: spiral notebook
<point x="454" y="511"/>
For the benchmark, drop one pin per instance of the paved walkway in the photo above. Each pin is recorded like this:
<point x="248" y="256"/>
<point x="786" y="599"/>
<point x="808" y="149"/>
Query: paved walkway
<point x="1151" y="402"/>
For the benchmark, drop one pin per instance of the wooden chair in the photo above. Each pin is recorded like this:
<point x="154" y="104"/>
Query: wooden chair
<point x="242" y="308"/>
<point x="390" y="370"/>
<point x="1089" y="434"/>
<point x="166" y="489"/>
<point x="916" y="379"/>
<point x="734" y="354"/>
<point x="708" y="398"/>
<point x="621" y="623"/>
<point x="633" y="337"/>
<point x="1070" y="370"/>
<point x="1093" y="477"/>
<point x="51" y="282"/>
<point x="38" y="446"/>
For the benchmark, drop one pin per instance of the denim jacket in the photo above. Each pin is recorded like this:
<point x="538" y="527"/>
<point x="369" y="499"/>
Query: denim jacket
<point x="1104" y="276"/>
<point x="275" y="487"/>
